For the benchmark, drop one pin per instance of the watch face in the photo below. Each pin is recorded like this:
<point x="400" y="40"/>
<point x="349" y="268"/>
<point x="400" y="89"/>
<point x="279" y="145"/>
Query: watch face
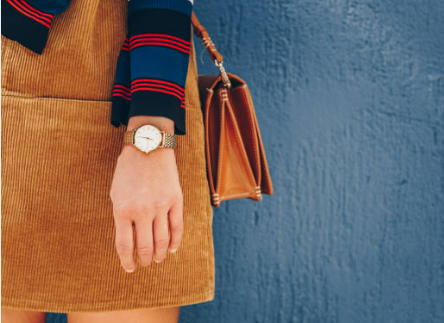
<point x="147" y="138"/>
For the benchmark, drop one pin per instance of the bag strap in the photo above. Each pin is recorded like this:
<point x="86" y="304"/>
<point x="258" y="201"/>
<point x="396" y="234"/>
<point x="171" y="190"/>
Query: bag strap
<point x="217" y="57"/>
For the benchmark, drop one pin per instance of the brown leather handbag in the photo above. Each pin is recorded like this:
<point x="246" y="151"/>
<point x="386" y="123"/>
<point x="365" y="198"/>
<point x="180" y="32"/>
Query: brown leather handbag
<point x="236" y="162"/>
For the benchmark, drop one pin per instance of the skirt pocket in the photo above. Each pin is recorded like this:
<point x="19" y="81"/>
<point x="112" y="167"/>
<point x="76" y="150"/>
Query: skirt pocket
<point x="68" y="149"/>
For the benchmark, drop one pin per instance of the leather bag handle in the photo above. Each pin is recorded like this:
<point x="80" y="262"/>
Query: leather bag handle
<point x="217" y="57"/>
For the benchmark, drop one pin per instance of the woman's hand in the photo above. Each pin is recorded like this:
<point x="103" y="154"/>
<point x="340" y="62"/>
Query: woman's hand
<point x="146" y="191"/>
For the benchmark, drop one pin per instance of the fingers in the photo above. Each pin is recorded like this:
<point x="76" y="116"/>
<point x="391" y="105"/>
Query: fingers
<point x="124" y="243"/>
<point x="144" y="240"/>
<point x="161" y="238"/>
<point x="156" y="233"/>
<point x="176" y="226"/>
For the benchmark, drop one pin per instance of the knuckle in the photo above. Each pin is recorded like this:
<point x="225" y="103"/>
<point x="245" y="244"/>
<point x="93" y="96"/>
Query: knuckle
<point x="178" y="195"/>
<point x="144" y="210"/>
<point x="122" y="210"/>
<point x="144" y="251"/>
<point x="177" y="227"/>
<point x="123" y="249"/>
<point x="161" y="243"/>
<point x="145" y="207"/>
<point x="162" y="204"/>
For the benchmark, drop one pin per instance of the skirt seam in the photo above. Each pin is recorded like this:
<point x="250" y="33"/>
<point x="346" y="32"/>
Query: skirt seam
<point x="24" y="96"/>
<point x="20" y="95"/>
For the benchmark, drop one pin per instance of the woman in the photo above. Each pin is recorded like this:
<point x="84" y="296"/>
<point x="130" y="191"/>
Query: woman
<point x="92" y="226"/>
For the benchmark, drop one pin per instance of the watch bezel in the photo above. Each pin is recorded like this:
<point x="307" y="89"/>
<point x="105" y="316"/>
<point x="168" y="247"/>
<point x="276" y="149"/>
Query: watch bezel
<point x="138" y="131"/>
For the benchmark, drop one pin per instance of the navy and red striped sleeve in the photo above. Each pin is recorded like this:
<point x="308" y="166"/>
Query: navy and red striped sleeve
<point x="153" y="63"/>
<point x="29" y="22"/>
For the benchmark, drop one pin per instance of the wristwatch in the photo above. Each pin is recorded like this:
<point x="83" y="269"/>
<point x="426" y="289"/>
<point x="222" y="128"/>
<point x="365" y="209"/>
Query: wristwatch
<point x="148" y="138"/>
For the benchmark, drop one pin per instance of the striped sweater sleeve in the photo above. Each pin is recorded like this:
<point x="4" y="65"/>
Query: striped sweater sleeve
<point x="28" y="22"/>
<point x="153" y="63"/>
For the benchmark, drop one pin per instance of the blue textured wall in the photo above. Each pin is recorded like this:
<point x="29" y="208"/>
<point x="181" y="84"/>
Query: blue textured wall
<point x="350" y="101"/>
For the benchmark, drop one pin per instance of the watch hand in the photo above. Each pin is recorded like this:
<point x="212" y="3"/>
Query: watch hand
<point x="146" y="137"/>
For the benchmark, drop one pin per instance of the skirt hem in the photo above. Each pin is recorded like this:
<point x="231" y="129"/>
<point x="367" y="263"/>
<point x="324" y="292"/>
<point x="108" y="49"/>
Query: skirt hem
<point x="42" y="306"/>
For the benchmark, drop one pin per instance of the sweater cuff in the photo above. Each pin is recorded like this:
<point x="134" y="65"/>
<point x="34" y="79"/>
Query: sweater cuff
<point x="159" y="33"/>
<point x="25" y="24"/>
<point x="150" y="103"/>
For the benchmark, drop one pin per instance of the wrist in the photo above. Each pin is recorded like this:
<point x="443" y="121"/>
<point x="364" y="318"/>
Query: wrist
<point x="133" y="152"/>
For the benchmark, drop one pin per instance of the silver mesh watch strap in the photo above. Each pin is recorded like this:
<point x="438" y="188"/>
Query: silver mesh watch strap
<point x="168" y="141"/>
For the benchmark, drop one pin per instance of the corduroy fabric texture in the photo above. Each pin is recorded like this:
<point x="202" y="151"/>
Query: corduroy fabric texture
<point x="58" y="155"/>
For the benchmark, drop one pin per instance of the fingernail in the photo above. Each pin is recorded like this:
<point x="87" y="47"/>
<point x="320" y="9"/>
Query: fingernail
<point x="157" y="260"/>
<point x="173" y="250"/>
<point x="129" y="270"/>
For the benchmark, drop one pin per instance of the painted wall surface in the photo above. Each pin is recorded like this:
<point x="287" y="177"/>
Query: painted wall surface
<point x="350" y="101"/>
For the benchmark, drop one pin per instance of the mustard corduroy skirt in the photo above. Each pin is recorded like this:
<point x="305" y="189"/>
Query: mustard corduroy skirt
<point x="58" y="155"/>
